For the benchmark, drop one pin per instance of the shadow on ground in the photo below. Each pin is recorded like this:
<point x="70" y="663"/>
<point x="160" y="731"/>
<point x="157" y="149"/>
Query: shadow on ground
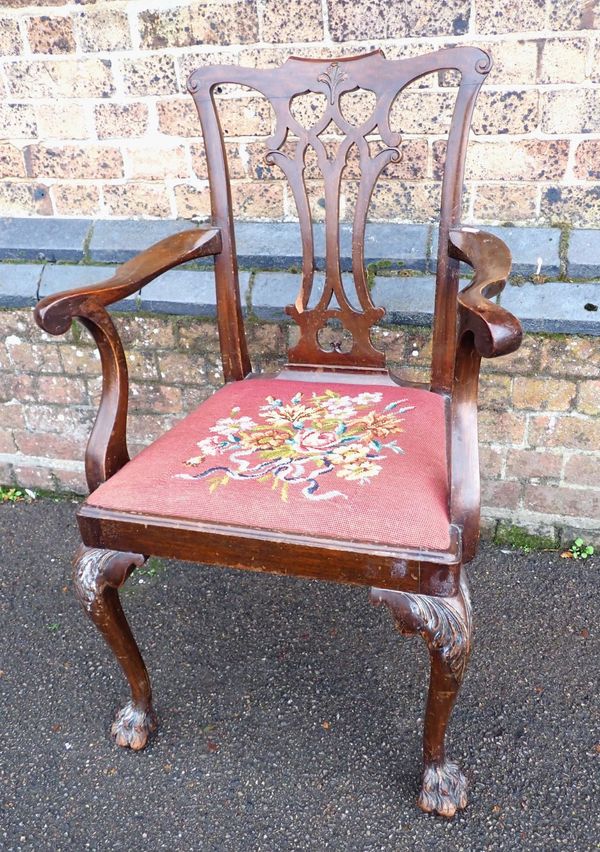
<point x="290" y="711"/>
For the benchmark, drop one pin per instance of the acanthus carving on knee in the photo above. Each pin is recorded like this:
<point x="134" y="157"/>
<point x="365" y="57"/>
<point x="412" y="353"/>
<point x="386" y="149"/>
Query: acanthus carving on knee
<point x="95" y="568"/>
<point x="444" y="623"/>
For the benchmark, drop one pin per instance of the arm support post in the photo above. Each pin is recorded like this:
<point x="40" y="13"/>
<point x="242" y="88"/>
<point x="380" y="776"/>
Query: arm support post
<point x="484" y="330"/>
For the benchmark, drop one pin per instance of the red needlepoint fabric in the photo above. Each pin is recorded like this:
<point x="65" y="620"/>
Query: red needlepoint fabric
<point x="345" y="461"/>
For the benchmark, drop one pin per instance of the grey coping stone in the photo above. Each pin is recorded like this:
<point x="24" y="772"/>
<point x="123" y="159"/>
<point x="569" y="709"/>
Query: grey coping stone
<point x="269" y="245"/>
<point x="115" y="241"/>
<point x="59" y="277"/>
<point x="555" y="306"/>
<point x="19" y="284"/>
<point x="179" y="291"/>
<point x="273" y="291"/>
<point x="187" y="291"/>
<point x="526" y="245"/>
<point x="584" y="253"/>
<point x="43" y="238"/>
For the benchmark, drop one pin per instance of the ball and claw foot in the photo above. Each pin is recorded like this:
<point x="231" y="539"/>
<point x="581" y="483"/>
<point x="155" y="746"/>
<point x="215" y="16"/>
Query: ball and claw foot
<point x="133" y="726"/>
<point x="444" y="790"/>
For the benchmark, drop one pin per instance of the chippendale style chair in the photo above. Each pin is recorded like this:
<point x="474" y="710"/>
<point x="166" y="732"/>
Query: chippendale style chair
<point x="333" y="468"/>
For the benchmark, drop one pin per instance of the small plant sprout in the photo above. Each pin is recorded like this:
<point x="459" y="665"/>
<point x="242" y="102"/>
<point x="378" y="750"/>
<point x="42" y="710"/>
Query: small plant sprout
<point x="580" y="550"/>
<point x="16" y="495"/>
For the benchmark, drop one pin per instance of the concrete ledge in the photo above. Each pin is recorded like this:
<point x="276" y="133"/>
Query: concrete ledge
<point x="276" y="245"/>
<point x="554" y="307"/>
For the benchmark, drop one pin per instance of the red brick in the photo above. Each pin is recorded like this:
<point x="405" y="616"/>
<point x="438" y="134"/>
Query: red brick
<point x="571" y="356"/>
<point x="583" y="470"/>
<point x="49" y="445"/>
<point x="69" y="161"/>
<point x="562" y="500"/>
<point x="143" y="429"/>
<point x="75" y="422"/>
<point x="568" y="431"/>
<point x="500" y="494"/>
<point x="75" y="199"/>
<point x="543" y="394"/>
<point x="146" y="332"/>
<point x="116" y="119"/>
<point x="11" y="161"/>
<point x="530" y="464"/>
<point x="50" y="34"/>
<point x="501" y="427"/>
<point x="62" y="390"/>
<point x="72" y="78"/>
<point x="80" y="360"/>
<point x="588" y="397"/>
<point x="7" y="443"/>
<point x="147" y="199"/>
<point x="20" y="199"/>
<point x="12" y="414"/>
<point x="31" y="357"/>
<point x="490" y="462"/>
<point x="494" y="391"/>
<point x="201" y="23"/>
<point x="161" y="398"/>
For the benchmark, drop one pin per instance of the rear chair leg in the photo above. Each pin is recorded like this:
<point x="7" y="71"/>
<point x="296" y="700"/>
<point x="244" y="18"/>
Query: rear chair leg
<point x="98" y="574"/>
<point x="445" y="625"/>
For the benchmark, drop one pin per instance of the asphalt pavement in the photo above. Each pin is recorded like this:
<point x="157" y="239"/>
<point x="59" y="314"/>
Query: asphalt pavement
<point x="290" y="711"/>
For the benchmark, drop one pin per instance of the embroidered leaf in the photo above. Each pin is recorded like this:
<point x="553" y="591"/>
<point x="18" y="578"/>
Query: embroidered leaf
<point x="225" y="480"/>
<point x="213" y="485"/>
<point x="284" y="491"/>
<point x="376" y="444"/>
<point x="297" y="397"/>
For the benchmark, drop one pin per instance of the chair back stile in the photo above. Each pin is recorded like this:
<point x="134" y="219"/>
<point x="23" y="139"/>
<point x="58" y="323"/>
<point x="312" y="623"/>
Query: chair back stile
<point x="289" y="148"/>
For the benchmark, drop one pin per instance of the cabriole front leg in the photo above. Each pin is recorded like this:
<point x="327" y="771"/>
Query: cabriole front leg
<point x="98" y="574"/>
<point x="445" y="624"/>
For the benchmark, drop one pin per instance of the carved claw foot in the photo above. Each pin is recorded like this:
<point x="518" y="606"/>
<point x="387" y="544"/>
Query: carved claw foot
<point x="444" y="790"/>
<point x="98" y="576"/>
<point x="133" y="726"/>
<point x="445" y="625"/>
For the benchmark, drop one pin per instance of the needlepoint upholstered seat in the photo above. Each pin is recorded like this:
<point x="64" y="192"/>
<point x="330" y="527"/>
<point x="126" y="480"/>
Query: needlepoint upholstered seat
<point x="333" y="468"/>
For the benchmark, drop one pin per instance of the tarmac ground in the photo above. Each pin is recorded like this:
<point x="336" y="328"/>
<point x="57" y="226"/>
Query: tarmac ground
<point x="290" y="712"/>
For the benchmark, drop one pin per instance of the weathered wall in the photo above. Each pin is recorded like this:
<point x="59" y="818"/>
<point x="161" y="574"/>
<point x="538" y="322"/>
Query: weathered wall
<point x="96" y="121"/>
<point x="539" y="420"/>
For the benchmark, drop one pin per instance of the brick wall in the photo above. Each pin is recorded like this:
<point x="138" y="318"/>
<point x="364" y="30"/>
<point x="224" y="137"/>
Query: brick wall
<point x="539" y="420"/>
<point x="96" y="121"/>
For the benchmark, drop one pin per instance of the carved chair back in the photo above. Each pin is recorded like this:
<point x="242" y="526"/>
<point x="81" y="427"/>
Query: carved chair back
<point x="289" y="148"/>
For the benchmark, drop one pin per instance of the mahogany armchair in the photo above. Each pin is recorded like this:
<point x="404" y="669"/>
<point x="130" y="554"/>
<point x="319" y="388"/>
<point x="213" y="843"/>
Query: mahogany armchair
<point x="333" y="468"/>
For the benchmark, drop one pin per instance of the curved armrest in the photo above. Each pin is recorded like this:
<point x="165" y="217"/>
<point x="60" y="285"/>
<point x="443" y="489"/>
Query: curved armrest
<point x="54" y="313"/>
<point x="484" y="329"/>
<point x="495" y="330"/>
<point x="106" y="451"/>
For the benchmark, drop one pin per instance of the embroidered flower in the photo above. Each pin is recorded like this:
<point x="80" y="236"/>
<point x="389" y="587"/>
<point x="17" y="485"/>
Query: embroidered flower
<point x="310" y="441"/>
<point x="360" y="470"/>
<point x="232" y="425"/>
<point x="367" y="398"/>
<point x="266" y="438"/>
<point x="302" y="443"/>
<point x="346" y="453"/>
<point x="295" y="414"/>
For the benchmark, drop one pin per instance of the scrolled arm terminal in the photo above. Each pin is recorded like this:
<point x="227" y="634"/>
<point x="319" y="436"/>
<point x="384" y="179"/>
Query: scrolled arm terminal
<point x="106" y="451"/>
<point x="496" y="331"/>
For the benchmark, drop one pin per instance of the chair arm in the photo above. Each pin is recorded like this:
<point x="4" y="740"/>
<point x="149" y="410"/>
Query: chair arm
<point x="495" y="330"/>
<point x="484" y="330"/>
<point x="54" y="313"/>
<point x="106" y="451"/>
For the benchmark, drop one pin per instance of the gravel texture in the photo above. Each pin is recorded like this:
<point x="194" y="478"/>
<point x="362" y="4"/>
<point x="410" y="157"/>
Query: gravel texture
<point x="290" y="711"/>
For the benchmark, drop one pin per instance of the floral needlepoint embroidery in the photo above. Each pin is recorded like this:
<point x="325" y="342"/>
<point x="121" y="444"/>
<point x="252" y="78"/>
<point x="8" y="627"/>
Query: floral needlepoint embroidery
<point x="302" y="442"/>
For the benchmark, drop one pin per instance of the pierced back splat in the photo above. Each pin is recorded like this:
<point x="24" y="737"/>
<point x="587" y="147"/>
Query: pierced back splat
<point x="385" y="79"/>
